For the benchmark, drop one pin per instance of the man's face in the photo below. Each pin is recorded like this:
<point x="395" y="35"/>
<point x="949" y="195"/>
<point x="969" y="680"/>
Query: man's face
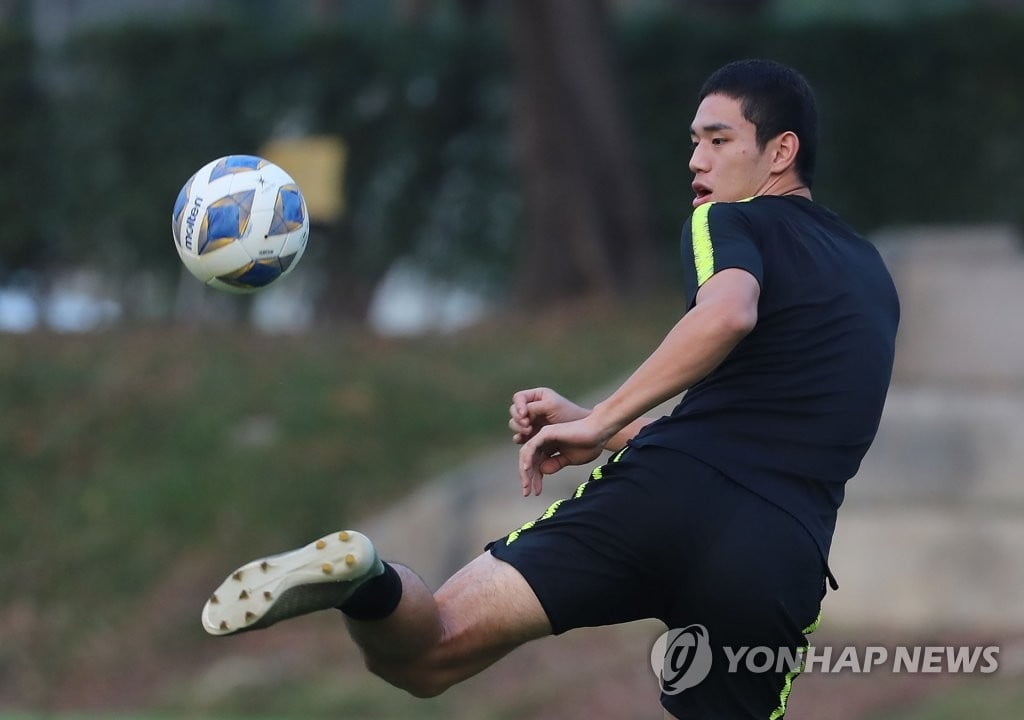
<point x="726" y="162"/>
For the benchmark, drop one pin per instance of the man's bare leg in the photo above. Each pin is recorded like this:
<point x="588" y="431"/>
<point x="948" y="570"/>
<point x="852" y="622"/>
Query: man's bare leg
<point x="433" y="641"/>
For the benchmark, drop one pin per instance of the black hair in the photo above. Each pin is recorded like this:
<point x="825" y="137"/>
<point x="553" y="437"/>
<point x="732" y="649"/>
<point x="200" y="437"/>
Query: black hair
<point x="774" y="98"/>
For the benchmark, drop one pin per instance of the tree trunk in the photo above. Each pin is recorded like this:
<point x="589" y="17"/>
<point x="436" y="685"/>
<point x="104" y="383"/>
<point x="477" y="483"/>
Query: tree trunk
<point x="587" y="227"/>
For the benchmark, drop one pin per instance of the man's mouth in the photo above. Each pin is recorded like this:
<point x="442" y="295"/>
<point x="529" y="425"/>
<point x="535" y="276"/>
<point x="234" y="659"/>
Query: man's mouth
<point x="701" y="191"/>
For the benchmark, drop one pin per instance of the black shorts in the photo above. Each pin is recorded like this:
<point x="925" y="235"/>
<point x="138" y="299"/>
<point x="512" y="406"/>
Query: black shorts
<point x="656" y="533"/>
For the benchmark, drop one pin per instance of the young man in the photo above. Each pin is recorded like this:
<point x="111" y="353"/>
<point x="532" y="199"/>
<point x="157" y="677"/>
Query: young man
<point x="720" y="514"/>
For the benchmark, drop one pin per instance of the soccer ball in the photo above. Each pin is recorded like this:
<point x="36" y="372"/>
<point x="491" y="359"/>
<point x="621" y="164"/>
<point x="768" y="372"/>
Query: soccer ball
<point x="240" y="223"/>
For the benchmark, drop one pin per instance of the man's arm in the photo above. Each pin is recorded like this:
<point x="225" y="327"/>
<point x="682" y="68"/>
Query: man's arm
<point x="618" y="441"/>
<point x="725" y="311"/>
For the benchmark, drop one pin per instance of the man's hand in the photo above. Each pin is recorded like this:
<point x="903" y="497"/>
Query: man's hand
<point x="554" y="447"/>
<point x="534" y="409"/>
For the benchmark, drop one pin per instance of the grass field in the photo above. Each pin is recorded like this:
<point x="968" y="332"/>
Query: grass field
<point x="995" y="698"/>
<point x="989" y="699"/>
<point x="124" y="452"/>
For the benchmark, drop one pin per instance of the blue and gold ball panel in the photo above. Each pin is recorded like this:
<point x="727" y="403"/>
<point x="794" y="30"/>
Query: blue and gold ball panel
<point x="288" y="211"/>
<point x="257" y="274"/>
<point x="234" y="164"/>
<point x="226" y="220"/>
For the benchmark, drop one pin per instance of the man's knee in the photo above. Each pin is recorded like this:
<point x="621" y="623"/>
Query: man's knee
<point x="420" y="678"/>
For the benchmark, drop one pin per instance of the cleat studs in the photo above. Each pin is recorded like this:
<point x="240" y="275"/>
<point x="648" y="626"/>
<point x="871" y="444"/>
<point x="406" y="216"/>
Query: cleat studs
<point x="350" y="559"/>
<point x="243" y="595"/>
<point x="264" y="566"/>
<point x="343" y="536"/>
<point x="249" y="617"/>
<point x="320" y="544"/>
<point x="213" y="599"/>
<point x="267" y="595"/>
<point x="237" y="575"/>
<point x="327" y="568"/>
<point x="223" y="624"/>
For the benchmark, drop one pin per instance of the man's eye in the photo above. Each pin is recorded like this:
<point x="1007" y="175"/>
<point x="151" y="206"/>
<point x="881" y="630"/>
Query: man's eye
<point x="717" y="141"/>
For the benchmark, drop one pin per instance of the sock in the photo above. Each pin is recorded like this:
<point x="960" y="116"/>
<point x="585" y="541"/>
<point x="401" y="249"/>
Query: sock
<point x="376" y="598"/>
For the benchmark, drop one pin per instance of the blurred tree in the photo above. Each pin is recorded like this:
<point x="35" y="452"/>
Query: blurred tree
<point x="25" y="241"/>
<point x="587" y="230"/>
<point x="429" y="178"/>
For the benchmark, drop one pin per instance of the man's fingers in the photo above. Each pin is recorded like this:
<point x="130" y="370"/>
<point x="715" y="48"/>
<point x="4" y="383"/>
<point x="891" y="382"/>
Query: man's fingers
<point x="522" y="399"/>
<point x="525" y="478"/>
<point x="517" y="412"/>
<point x="547" y="466"/>
<point x="535" y="461"/>
<point x="519" y="423"/>
<point x="519" y="431"/>
<point x="529" y="466"/>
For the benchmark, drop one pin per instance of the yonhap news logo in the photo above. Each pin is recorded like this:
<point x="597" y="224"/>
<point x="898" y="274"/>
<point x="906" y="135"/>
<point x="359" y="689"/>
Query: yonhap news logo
<point x="682" y="658"/>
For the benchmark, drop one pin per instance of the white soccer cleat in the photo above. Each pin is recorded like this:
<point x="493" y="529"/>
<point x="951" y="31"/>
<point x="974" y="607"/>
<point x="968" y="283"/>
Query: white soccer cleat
<point x="319" y="576"/>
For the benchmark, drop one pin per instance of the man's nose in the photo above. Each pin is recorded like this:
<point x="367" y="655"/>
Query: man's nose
<point x="698" y="159"/>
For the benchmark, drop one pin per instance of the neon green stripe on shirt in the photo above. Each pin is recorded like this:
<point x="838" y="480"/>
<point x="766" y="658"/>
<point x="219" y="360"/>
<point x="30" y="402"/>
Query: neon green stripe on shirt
<point x="703" y="250"/>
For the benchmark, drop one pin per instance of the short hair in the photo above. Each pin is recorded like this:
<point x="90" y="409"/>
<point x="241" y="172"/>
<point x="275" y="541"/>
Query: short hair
<point x="775" y="98"/>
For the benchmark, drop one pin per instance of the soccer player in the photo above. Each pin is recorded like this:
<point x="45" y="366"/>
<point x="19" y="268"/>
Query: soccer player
<point x="720" y="514"/>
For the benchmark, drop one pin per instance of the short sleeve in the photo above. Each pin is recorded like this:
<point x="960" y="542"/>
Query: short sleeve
<point x="716" y="237"/>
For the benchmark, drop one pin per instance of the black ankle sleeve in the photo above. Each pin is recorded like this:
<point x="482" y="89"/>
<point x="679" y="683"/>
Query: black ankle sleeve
<point x="376" y="598"/>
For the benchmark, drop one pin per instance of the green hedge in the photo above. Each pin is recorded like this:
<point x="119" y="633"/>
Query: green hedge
<point x="921" y="123"/>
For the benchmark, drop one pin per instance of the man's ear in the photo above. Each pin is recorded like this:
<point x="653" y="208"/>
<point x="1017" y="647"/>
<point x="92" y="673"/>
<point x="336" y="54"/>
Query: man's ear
<point x="786" y="147"/>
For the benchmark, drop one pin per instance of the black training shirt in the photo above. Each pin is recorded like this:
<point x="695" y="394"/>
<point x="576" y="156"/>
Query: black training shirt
<point x="791" y="411"/>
